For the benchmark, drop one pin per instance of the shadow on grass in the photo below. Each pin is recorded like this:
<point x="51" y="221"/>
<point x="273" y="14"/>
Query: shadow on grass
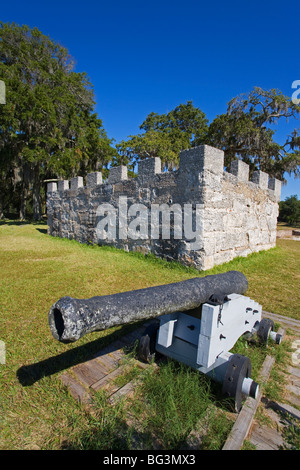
<point x="109" y="431"/>
<point x="14" y="222"/>
<point x="19" y="223"/>
<point x="29" y="374"/>
<point x="42" y="230"/>
<point x="22" y="222"/>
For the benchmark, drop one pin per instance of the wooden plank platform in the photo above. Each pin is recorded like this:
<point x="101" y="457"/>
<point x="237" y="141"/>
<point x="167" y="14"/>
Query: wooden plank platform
<point x="271" y="438"/>
<point x="244" y="420"/>
<point x="286" y="322"/>
<point x="101" y="371"/>
<point x="261" y="436"/>
<point x="266" y="438"/>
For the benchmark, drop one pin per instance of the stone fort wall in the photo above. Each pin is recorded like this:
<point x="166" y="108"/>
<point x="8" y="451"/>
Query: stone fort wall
<point x="226" y="214"/>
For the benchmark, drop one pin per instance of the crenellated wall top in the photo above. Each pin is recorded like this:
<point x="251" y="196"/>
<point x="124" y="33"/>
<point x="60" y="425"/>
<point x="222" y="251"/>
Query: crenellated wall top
<point x="198" y="159"/>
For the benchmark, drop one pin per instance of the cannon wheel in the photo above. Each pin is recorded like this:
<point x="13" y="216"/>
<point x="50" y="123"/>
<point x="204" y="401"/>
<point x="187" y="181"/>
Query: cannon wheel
<point x="239" y="367"/>
<point x="265" y="327"/>
<point x="146" y="347"/>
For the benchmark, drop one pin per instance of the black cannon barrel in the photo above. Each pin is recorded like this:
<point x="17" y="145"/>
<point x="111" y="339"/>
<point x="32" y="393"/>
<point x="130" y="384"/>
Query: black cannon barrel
<point x="70" y="319"/>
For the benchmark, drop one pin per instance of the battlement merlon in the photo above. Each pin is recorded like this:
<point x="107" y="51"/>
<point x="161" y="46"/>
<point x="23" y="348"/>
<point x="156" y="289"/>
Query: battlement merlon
<point x="76" y="182"/>
<point x="62" y="185"/>
<point x="240" y="169"/>
<point x="202" y="158"/>
<point x="51" y="187"/>
<point x="117" y="173"/>
<point x="261" y="179"/>
<point x="274" y="185"/>
<point x="149" y="167"/>
<point x="94" y="179"/>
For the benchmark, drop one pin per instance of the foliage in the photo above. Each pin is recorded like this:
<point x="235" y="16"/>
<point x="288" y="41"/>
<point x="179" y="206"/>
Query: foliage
<point x="47" y="126"/>
<point x="289" y="210"/>
<point x="165" y="136"/>
<point x="245" y="132"/>
<point x="291" y="434"/>
<point x="173" y="401"/>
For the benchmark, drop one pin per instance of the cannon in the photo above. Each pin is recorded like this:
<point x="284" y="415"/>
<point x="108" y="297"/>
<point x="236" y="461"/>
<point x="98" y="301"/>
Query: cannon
<point x="196" y="321"/>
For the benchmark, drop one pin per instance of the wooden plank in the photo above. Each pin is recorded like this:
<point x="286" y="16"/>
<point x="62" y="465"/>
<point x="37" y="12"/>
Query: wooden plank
<point x="143" y="365"/>
<point x="107" y="362"/>
<point x="286" y="408"/>
<point x="292" y="397"/>
<point x="109" y="378"/>
<point x="111" y="353"/>
<point x="122" y="391"/>
<point x="265" y="438"/>
<point x="100" y="371"/>
<point x="89" y="372"/>
<point x="294" y="371"/>
<point x="76" y="389"/>
<point x="106" y="368"/>
<point x="244" y="420"/>
<point x="115" y="347"/>
<point x="103" y="382"/>
<point x="295" y="381"/>
<point x="291" y="322"/>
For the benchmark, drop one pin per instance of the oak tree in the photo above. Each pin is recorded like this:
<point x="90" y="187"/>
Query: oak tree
<point x="48" y="126"/>
<point x="165" y="135"/>
<point x="247" y="131"/>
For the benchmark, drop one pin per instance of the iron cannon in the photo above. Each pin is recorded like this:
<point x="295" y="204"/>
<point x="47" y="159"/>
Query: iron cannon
<point x="70" y="318"/>
<point x="196" y="321"/>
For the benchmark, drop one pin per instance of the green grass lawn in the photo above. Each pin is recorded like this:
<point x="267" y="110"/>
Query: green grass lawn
<point x="36" y="270"/>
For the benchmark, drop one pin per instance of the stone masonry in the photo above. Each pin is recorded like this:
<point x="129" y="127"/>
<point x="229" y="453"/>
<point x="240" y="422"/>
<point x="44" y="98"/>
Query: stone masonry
<point x="231" y="216"/>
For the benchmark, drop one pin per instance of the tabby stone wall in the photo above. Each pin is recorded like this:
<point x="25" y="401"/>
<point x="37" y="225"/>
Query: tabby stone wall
<point x="199" y="214"/>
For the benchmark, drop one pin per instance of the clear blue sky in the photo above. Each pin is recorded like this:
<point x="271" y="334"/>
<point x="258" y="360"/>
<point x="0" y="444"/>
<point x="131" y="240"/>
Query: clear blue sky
<point x="152" y="56"/>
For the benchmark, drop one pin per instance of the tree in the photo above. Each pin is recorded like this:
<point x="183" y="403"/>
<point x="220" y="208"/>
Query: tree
<point x="245" y="132"/>
<point x="47" y="126"/>
<point x="165" y="135"/>
<point x="289" y="210"/>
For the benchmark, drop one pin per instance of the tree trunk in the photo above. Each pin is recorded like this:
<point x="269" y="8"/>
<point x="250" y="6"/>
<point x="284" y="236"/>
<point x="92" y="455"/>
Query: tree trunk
<point x="36" y="194"/>
<point x="24" y="193"/>
<point x="1" y="210"/>
<point x="26" y="177"/>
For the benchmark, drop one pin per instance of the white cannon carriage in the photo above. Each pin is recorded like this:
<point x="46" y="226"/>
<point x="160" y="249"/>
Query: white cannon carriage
<point x="202" y="339"/>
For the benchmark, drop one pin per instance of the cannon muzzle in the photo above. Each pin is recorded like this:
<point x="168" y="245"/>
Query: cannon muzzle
<point x="70" y="319"/>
